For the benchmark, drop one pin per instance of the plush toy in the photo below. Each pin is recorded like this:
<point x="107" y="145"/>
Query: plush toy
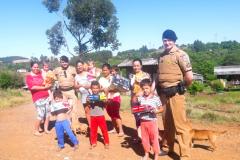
<point x="50" y="78"/>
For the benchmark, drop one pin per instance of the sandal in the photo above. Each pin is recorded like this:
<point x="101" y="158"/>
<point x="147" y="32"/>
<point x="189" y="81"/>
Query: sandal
<point x="112" y="131"/>
<point x="120" y="134"/>
<point x="106" y="146"/>
<point x="37" y="133"/>
<point x="93" y="146"/>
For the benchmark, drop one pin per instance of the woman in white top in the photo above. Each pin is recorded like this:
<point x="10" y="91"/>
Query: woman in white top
<point x="114" y="99"/>
<point x="82" y="84"/>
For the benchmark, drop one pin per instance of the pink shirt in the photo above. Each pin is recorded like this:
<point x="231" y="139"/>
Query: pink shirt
<point x="36" y="80"/>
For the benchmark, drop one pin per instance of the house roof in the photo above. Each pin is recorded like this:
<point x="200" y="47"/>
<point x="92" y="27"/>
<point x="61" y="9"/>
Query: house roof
<point x="145" y="62"/>
<point x="21" y="61"/>
<point x="227" y="70"/>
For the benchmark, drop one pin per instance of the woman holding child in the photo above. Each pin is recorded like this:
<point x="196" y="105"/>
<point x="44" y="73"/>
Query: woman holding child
<point x="82" y="84"/>
<point x="39" y="91"/>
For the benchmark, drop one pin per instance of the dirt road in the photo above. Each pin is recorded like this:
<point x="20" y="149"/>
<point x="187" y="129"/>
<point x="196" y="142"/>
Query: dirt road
<point x="18" y="143"/>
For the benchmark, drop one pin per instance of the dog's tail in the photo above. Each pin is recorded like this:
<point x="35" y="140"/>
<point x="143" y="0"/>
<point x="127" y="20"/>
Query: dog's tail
<point x="222" y="132"/>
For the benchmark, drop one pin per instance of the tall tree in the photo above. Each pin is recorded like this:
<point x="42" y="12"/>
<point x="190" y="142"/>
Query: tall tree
<point x="92" y="23"/>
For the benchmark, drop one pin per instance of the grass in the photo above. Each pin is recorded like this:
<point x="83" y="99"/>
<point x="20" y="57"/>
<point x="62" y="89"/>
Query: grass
<point x="125" y="103"/>
<point x="13" y="97"/>
<point x="214" y="108"/>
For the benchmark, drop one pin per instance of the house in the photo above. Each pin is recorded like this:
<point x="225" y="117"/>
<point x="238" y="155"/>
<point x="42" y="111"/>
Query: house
<point x="150" y="65"/>
<point x="21" y="61"/>
<point x="230" y="73"/>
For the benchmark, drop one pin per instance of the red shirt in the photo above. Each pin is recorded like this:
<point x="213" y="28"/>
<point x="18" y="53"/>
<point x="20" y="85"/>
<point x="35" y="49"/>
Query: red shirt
<point x="36" y="80"/>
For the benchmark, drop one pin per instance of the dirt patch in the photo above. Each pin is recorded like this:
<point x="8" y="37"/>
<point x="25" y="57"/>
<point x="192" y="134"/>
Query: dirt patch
<point x="18" y="142"/>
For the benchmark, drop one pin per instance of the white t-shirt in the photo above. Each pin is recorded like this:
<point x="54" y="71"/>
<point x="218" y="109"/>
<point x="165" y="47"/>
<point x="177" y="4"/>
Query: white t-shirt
<point x="105" y="83"/>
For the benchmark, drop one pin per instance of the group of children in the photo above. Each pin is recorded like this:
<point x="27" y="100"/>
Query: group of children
<point x="148" y="120"/>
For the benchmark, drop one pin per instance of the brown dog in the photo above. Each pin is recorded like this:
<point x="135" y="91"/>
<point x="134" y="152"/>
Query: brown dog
<point x="205" y="135"/>
<point x="83" y="129"/>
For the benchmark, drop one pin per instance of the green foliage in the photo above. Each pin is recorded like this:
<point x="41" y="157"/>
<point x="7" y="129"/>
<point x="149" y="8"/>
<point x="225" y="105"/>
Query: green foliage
<point x="56" y="38"/>
<point x="195" y="87"/>
<point x="217" y="85"/>
<point x="92" y="23"/>
<point x="198" y="46"/>
<point x="10" y="79"/>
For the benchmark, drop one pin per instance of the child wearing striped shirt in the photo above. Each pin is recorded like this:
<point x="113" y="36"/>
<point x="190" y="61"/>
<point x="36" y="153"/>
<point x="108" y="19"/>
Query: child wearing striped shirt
<point x="148" y="119"/>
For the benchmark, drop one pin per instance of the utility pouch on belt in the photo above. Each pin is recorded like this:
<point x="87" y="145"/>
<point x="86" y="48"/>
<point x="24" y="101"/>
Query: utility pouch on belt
<point x="171" y="91"/>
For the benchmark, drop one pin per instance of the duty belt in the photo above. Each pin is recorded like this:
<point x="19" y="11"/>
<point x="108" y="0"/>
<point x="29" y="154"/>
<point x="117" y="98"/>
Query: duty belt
<point x="171" y="91"/>
<point x="65" y="89"/>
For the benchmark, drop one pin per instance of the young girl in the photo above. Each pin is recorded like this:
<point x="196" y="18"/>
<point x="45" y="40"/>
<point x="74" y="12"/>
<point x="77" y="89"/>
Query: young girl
<point x="148" y="118"/>
<point x="59" y="108"/>
<point x="97" y="118"/>
<point x="93" y="72"/>
<point x="114" y="100"/>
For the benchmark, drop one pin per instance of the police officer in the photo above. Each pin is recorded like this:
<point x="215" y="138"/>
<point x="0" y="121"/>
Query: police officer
<point x="65" y="76"/>
<point x="175" y="73"/>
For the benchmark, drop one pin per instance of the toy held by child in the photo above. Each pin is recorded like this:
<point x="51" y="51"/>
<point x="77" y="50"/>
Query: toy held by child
<point x="59" y="108"/>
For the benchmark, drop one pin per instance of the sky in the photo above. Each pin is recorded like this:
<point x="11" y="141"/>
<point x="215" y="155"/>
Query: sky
<point x="142" y="22"/>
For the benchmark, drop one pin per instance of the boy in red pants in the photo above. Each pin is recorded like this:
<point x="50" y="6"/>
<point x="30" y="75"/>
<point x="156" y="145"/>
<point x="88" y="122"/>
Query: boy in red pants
<point x="97" y="116"/>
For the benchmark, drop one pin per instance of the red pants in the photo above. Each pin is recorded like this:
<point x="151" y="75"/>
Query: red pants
<point x="101" y="122"/>
<point x="149" y="131"/>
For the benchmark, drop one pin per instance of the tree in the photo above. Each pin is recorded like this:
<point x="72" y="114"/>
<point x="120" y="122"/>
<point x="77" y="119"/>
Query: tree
<point x="198" y="46"/>
<point x="92" y="24"/>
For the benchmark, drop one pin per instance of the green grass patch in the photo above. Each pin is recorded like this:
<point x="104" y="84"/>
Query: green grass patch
<point x="221" y="107"/>
<point x="13" y="97"/>
<point x="125" y="102"/>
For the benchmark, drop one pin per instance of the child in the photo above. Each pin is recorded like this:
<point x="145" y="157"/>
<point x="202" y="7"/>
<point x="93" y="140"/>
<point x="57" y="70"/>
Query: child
<point x="60" y="109"/>
<point x="115" y="71"/>
<point x="148" y="119"/>
<point x="97" y="118"/>
<point x="93" y="72"/>
<point x="114" y="100"/>
<point x="45" y="70"/>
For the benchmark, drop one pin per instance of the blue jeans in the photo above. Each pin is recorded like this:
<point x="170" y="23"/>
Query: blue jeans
<point x="60" y="127"/>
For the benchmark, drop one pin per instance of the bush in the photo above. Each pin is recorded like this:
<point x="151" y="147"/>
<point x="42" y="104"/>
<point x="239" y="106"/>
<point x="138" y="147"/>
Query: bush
<point x="10" y="79"/>
<point x="195" y="87"/>
<point x="217" y="85"/>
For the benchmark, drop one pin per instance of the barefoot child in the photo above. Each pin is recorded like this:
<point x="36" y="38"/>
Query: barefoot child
<point x="97" y="118"/>
<point x="59" y="108"/>
<point x="148" y="119"/>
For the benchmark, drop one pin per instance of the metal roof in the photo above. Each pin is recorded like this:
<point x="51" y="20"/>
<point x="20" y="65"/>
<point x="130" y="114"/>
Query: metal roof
<point x="21" y="61"/>
<point x="145" y="62"/>
<point x="227" y="70"/>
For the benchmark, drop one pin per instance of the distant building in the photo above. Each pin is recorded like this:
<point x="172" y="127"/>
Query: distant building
<point x="22" y="70"/>
<point x="20" y="61"/>
<point x="150" y="65"/>
<point x="230" y="73"/>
